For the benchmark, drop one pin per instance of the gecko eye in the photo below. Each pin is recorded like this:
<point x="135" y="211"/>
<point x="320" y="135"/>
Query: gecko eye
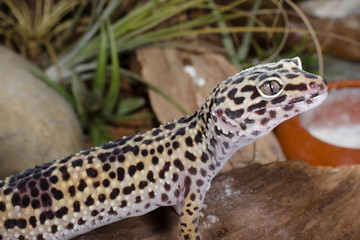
<point x="270" y="88"/>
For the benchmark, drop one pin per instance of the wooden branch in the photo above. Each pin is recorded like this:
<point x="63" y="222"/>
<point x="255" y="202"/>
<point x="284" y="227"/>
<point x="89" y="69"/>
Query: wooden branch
<point x="287" y="200"/>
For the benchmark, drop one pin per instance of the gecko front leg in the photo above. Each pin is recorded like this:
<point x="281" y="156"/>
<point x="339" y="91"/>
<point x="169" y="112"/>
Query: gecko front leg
<point x="190" y="213"/>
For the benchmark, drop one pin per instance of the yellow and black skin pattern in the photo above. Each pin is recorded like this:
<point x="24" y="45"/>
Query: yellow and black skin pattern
<point x="172" y="165"/>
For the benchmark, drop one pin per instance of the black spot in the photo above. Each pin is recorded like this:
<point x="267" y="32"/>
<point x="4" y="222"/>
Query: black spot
<point x="192" y="170"/>
<point x="164" y="197"/>
<point x="147" y="141"/>
<point x="167" y="187"/>
<point x="32" y="221"/>
<point x="192" y="125"/>
<point x="123" y="204"/>
<point x="57" y="194"/>
<point x="40" y="237"/>
<point x="234" y="114"/>
<point x="121" y="158"/>
<point x="7" y="191"/>
<point x="140" y="166"/>
<point x="170" y="126"/>
<point x="164" y="170"/>
<point x="296" y="100"/>
<point x="291" y="76"/>
<point x="231" y="93"/>
<point x="115" y="192"/>
<point x="179" y="165"/>
<point x="251" y="88"/>
<point x="116" y="151"/>
<point x="92" y="172"/>
<point x="106" y="167"/>
<point x="89" y="201"/>
<point x="94" y="213"/>
<point x="190" y="156"/>
<point x="272" y="114"/>
<point x="175" y="177"/>
<point x="61" y="212"/>
<point x="112" y="175"/>
<point x="129" y="189"/>
<point x="167" y="144"/>
<point x="160" y="149"/>
<point x="144" y="152"/>
<point x="72" y="191"/>
<point x="155" y="160"/>
<point x="150" y="176"/>
<point x="198" y="137"/>
<point x="152" y="151"/>
<point x="261" y="111"/>
<point x="264" y="121"/>
<point x="10" y="223"/>
<point x="35" y="204"/>
<point x="175" y="145"/>
<point x="189" y="142"/>
<point x="288" y="107"/>
<point x="219" y="100"/>
<point x="70" y="226"/>
<point x="82" y="185"/>
<point x="81" y="221"/>
<point x="187" y="184"/>
<point x="158" y="139"/>
<point x="15" y="200"/>
<point x="138" y="139"/>
<point x="255" y="132"/>
<point x="132" y="170"/>
<point x="103" y="157"/>
<point x="97" y="183"/>
<point x="63" y="169"/>
<point x="138" y="199"/>
<point x="170" y="151"/>
<point x="199" y="182"/>
<point x="259" y="105"/>
<point x="46" y="200"/>
<point x="54" y="179"/>
<point x="180" y="132"/>
<point x="151" y="194"/>
<point x="106" y="183"/>
<point x="120" y="173"/>
<point x="102" y="198"/>
<point x="77" y="163"/>
<point x="192" y="197"/>
<point x="2" y="206"/>
<point x="143" y="184"/>
<point x="21" y="223"/>
<point x="295" y="87"/>
<point x="53" y="228"/>
<point x="76" y="206"/>
<point x="156" y="132"/>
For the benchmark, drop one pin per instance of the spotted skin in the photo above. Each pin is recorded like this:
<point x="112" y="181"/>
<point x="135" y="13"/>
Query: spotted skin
<point x="172" y="165"/>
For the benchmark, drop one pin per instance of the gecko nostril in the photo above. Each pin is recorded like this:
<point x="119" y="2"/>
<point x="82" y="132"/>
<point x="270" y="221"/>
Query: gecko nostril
<point x="313" y="85"/>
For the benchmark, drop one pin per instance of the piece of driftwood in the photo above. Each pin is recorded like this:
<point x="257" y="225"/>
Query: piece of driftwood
<point x="285" y="200"/>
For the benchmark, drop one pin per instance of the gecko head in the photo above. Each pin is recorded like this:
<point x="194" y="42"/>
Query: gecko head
<point x="251" y="103"/>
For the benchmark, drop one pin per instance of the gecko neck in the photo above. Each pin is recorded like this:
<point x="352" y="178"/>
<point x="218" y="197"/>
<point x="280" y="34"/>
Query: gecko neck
<point x="220" y="143"/>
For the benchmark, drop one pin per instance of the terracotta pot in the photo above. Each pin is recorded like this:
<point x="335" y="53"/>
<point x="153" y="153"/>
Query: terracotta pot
<point x="298" y="143"/>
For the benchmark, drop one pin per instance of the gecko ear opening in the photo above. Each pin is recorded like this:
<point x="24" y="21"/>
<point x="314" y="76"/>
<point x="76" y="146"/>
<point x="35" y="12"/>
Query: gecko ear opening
<point x="297" y="61"/>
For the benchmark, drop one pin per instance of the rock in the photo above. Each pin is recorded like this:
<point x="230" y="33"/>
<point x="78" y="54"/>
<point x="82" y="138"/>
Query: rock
<point x="285" y="200"/>
<point x="36" y="124"/>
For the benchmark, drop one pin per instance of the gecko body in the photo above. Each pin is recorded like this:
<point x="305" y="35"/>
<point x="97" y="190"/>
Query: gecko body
<point x="172" y="165"/>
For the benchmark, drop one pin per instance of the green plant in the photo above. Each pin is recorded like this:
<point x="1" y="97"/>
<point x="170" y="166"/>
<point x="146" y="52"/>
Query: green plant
<point x="93" y="75"/>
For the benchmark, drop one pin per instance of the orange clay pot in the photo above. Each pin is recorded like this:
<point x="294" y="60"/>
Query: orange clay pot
<point x="298" y="143"/>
